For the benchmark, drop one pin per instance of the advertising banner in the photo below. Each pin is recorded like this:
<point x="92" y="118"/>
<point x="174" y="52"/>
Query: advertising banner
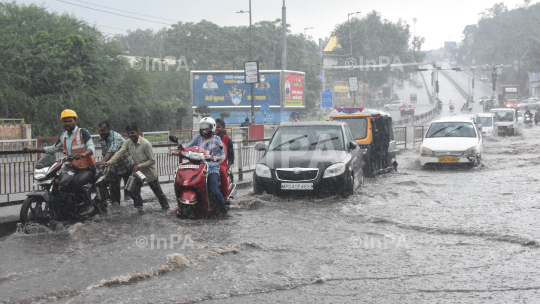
<point x="239" y="116"/>
<point x="230" y="89"/>
<point x="293" y="90"/>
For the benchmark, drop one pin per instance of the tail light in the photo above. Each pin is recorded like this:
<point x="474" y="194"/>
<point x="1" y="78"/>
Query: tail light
<point x="412" y="108"/>
<point x="401" y="108"/>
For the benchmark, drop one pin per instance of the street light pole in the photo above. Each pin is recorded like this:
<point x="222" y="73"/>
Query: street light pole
<point x="350" y="35"/>
<point x="305" y="43"/>
<point x="414" y="34"/>
<point x="251" y="59"/>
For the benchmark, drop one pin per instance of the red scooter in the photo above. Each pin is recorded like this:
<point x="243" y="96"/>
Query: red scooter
<point x="190" y="185"/>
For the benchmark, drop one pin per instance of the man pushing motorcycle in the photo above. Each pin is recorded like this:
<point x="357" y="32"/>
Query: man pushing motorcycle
<point x="210" y="142"/>
<point x="77" y="142"/>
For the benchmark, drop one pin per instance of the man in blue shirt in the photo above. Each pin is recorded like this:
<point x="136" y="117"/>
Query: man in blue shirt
<point x="111" y="142"/>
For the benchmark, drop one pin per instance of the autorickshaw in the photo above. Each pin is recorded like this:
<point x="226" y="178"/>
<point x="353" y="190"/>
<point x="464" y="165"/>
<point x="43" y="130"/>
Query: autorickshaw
<point x="373" y="132"/>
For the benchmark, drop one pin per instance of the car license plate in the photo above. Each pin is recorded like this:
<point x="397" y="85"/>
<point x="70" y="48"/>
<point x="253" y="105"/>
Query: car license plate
<point x="296" y="186"/>
<point x="449" y="160"/>
<point x="501" y="131"/>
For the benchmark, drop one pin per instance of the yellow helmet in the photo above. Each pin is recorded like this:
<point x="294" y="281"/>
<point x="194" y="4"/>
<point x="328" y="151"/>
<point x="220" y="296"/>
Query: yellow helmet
<point x="68" y="113"/>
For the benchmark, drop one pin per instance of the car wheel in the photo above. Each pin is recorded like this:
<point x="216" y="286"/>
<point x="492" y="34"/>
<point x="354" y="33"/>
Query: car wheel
<point x="257" y="190"/>
<point x="386" y="108"/>
<point x="349" y="188"/>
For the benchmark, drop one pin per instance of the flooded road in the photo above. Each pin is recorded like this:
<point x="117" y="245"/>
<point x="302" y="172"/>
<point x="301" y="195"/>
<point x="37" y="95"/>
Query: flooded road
<point x="419" y="236"/>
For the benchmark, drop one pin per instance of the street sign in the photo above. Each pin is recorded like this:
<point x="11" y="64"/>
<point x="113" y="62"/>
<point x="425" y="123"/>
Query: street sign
<point x="328" y="98"/>
<point x="353" y="84"/>
<point x="265" y="107"/>
<point x="251" y="71"/>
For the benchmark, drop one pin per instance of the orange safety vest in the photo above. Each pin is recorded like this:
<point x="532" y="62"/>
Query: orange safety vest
<point x="79" y="147"/>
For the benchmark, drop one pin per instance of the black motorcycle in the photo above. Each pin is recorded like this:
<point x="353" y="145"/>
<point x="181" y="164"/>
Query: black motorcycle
<point x="58" y="200"/>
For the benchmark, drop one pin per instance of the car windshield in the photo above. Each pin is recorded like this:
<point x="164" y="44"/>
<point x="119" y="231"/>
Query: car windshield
<point x="503" y="115"/>
<point x="524" y="101"/>
<point x="358" y="126"/>
<point x="451" y="129"/>
<point x="486" y="121"/>
<point x="304" y="137"/>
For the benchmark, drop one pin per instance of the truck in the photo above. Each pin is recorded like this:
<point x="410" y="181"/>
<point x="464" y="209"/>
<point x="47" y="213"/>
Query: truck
<point x="507" y="92"/>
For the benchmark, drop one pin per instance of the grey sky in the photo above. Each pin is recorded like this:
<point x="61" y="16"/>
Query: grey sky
<point x="438" y="21"/>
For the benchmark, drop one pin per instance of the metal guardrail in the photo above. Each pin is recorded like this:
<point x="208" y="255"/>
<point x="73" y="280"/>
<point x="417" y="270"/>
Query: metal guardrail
<point x="419" y="132"/>
<point x="16" y="174"/>
<point x="400" y="135"/>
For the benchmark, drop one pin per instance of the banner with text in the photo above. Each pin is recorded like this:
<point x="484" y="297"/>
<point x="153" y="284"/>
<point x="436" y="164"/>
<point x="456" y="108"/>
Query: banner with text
<point x="225" y="90"/>
<point x="293" y="90"/>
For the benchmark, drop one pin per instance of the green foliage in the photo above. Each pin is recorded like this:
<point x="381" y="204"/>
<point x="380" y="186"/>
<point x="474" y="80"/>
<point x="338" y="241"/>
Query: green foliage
<point x="51" y="62"/>
<point x="372" y="37"/>
<point x="504" y="36"/>
<point x="207" y="46"/>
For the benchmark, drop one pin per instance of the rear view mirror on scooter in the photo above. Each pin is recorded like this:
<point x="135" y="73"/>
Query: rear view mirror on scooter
<point x="173" y="138"/>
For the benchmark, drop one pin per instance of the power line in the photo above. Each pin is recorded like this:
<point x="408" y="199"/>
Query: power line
<point x="95" y="9"/>
<point x="124" y="11"/>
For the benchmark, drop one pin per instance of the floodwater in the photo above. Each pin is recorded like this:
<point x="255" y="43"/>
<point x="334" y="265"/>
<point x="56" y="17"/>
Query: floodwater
<point x="414" y="236"/>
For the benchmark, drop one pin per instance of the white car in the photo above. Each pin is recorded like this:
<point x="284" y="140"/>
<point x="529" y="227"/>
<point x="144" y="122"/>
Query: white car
<point x="534" y="104"/>
<point x="506" y="120"/>
<point x="396" y="104"/>
<point x="452" y="140"/>
<point x="488" y="122"/>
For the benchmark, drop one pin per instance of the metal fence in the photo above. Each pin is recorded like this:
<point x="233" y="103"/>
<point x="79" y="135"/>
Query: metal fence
<point x="400" y="135"/>
<point x="16" y="167"/>
<point x="419" y="132"/>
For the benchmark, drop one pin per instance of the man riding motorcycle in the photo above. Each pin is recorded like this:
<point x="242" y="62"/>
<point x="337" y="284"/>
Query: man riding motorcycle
<point x="77" y="142"/>
<point x="208" y="141"/>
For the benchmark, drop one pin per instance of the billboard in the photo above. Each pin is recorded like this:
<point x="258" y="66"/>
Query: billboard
<point x="239" y="116"/>
<point x="293" y="90"/>
<point x="449" y="45"/>
<point x="226" y="89"/>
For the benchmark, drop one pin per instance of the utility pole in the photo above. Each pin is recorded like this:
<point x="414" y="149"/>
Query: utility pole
<point x="414" y="34"/>
<point x="350" y="35"/>
<point x="284" y="36"/>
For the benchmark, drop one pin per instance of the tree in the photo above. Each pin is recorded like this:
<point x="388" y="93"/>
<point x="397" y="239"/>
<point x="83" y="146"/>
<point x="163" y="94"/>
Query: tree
<point x="203" y="110"/>
<point x="51" y="62"/>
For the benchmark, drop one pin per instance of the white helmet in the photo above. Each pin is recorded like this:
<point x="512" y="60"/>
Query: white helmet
<point x="210" y="121"/>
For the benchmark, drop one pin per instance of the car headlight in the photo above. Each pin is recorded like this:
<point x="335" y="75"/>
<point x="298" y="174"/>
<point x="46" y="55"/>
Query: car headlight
<point x="263" y="171"/>
<point x="334" y="170"/>
<point x="426" y="151"/>
<point x="470" y="151"/>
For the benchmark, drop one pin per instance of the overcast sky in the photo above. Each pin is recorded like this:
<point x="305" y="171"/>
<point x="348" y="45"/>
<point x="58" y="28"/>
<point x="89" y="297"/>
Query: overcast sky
<point x="437" y="21"/>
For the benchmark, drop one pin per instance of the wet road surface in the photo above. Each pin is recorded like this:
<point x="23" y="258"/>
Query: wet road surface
<point x="418" y="236"/>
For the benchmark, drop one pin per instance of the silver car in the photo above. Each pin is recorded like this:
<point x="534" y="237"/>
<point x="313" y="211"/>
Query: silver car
<point x="396" y="104"/>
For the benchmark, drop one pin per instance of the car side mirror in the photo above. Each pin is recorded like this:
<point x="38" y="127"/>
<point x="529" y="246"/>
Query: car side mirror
<point x="480" y="126"/>
<point x="260" y="146"/>
<point x="173" y="138"/>
<point x="351" y="145"/>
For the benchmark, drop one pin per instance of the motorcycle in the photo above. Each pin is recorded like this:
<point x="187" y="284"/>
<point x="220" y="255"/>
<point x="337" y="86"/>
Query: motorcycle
<point x="57" y="200"/>
<point x="191" y="186"/>
<point x="528" y="119"/>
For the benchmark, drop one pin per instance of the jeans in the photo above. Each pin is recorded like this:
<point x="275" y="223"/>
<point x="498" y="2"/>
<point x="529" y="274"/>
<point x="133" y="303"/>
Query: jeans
<point x="213" y="181"/>
<point x="156" y="188"/>
<point x="115" y="186"/>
